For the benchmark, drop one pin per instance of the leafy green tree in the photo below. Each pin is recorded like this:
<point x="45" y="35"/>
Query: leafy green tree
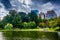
<point x="17" y="22"/>
<point x="13" y="18"/>
<point x="39" y="21"/>
<point x="25" y="25"/>
<point x="24" y="17"/>
<point x="33" y="16"/>
<point x="53" y="22"/>
<point x="8" y="18"/>
<point x="29" y="25"/>
<point x="42" y="25"/>
<point x="12" y="12"/>
<point x="58" y="19"/>
<point x="32" y="24"/>
<point x="8" y="26"/>
<point x="1" y="24"/>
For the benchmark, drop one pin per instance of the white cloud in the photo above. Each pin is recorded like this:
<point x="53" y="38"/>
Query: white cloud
<point x="27" y="5"/>
<point x="27" y="2"/>
<point x="21" y="5"/>
<point x="21" y="1"/>
<point x="47" y="6"/>
<point x="3" y="12"/>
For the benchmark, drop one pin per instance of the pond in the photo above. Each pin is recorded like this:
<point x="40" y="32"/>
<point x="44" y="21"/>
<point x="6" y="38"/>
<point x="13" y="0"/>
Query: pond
<point x="29" y="35"/>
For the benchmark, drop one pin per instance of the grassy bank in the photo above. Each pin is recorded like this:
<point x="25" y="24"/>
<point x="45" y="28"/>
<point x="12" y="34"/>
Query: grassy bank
<point x="37" y="29"/>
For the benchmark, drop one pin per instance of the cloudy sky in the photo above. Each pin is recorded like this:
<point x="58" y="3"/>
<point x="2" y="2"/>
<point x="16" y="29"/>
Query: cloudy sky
<point x="28" y="5"/>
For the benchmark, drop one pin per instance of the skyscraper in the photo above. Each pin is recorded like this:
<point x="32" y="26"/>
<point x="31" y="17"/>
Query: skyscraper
<point x="35" y="11"/>
<point x="48" y="15"/>
<point x="42" y="15"/>
<point x="51" y="14"/>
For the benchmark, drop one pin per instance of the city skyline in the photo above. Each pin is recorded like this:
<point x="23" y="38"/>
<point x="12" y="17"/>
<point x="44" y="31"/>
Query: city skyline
<point x="28" y="5"/>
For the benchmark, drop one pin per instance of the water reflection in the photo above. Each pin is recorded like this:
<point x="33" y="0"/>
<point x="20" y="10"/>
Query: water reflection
<point x="28" y="35"/>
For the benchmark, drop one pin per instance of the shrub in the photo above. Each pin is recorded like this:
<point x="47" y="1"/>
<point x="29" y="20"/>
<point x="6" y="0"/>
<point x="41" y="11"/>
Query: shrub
<point x="8" y="26"/>
<point x="25" y="25"/>
<point x="53" y="24"/>
<point x="32" y="24"/>
<point x="29" y="25"/>
<point x="41" y="25"/>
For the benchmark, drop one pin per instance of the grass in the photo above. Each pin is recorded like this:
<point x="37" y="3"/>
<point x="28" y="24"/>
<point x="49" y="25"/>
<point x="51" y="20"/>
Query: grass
<point x="36" y="29"/>
<point x="29" y="29"/>
<point x="53" y="29"/>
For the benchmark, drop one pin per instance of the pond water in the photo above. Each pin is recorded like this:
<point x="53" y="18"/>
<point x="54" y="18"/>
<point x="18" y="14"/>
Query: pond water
<point x="29" y="35"/>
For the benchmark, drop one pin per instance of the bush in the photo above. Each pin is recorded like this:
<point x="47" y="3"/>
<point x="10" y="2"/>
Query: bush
<point x="53" y="24"/>
<point x="29" y="25"/>
<point x="42" y="25"/>
<point x="25" y="25"/>
<point x="8" y="26"/>
<point x="32" y="24"/>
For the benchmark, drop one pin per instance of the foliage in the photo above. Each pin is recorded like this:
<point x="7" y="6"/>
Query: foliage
<point x="17" y="21"/>
<point x="13" y="18"/>
<point x="58" y="19"/>
<point x="1" y="24"/>
<point x="25" y="25"/>
<point x="33" y="16"/>
<point x="53" y="24"/>
<point x="39" y="21"/>
<point x="12" y="12"/>
<point x="24" y="17"/>
<point x="29" y="25"/>
<point x="8" y="26"/>
<point x="30" y="20"/>
<point x="42" y="25"/>
<point x="32" y="24"/>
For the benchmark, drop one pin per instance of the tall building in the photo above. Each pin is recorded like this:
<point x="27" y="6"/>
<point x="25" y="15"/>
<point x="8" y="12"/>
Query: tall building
<point x="42" y="15"/>
<point x="51" y="14"/>
<point x="48" y="15"/>
<point x="35" y="11"/>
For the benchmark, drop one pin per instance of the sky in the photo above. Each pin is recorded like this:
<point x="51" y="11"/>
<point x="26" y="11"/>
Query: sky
<point x="28" y="5"/>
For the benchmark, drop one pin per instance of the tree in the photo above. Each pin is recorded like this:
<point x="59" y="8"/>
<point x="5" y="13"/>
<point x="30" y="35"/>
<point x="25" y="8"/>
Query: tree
<point x="39" y="21"/>
<point x="32" y="24"/>
<point x="53" y="22"/>
<point x="29" y="25"/>
<point x="8" y="18"/>
<point x="24" y="17"/>
<point x="13" y="18"/>
<point x="25" y="25"/>
<point x="42" y="25"/>
<point x="33" y="16"/>
<point x="58" y="19"/>
<point x="1" y="24"/>
<point x="12" y="12"/>
<point x="8" y="26"/>
<point x="17" y="22"/>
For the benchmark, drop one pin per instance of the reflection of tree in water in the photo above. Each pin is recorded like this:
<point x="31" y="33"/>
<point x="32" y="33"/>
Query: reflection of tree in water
<point x="7" y="35"/>
<point x="32" y="35"/>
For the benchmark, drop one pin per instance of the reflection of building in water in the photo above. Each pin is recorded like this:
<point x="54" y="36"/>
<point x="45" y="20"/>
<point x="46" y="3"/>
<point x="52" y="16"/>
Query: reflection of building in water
<point x="48" y="15"/>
